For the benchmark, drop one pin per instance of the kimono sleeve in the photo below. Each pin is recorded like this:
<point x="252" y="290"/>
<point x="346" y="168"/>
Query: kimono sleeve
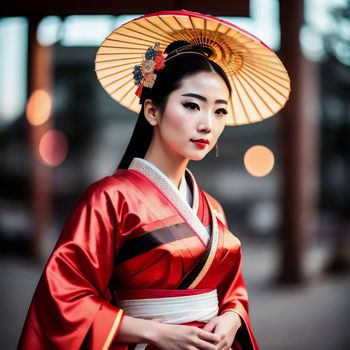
<point x="233" y="297"/>
<point x="70" y="308"/>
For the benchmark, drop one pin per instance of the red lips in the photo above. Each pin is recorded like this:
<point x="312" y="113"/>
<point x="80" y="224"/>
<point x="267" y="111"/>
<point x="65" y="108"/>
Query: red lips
<point x="201" y="143"/>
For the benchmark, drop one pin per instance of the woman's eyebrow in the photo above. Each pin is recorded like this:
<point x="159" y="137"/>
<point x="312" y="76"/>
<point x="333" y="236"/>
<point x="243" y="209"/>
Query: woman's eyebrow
<point x="202" y="98"/>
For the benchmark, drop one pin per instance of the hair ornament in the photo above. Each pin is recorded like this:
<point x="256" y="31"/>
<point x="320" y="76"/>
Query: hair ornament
<point x="144" y="74"/>
<point x="203" y="50"/>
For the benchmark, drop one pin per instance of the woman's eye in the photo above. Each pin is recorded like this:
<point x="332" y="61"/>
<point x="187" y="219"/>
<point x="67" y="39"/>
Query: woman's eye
<point x="191" y="105"/>
<point x="221" y="111"/>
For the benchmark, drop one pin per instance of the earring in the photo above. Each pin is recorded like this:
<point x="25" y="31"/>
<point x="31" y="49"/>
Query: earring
<point x="217" y="150"/>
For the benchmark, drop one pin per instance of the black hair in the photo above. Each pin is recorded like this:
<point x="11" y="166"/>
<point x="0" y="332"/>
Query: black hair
<point x="183" y="60"/>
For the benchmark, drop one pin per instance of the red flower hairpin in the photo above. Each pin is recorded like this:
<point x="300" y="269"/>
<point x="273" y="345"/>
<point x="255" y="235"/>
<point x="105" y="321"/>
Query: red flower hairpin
<point x="144" y="74"/>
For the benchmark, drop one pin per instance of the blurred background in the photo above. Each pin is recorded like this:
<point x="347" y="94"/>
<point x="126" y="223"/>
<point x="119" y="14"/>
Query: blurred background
<point x="284" y="182"/>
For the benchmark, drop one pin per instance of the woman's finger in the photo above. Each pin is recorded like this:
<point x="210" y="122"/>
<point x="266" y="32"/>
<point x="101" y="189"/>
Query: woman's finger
<point x="223" y="344"/>
<point x="209" y="326"/>
<point x="208" y="336"/>
<point x="204" y="345"/>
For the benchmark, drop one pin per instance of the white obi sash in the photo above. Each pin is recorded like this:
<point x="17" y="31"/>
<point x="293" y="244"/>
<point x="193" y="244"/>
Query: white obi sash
<point x="173" y="310"/>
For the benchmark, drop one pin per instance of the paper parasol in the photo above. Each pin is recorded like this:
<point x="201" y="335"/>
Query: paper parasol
<point x="260" y="82"/>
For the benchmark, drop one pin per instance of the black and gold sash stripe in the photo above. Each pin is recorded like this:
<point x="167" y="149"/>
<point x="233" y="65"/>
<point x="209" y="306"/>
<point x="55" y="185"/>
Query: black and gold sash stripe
<point x="152" y="240"/>
<point x="196" y="269"/>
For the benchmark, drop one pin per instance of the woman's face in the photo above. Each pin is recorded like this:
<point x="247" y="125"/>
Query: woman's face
<point x="194" y="117"/>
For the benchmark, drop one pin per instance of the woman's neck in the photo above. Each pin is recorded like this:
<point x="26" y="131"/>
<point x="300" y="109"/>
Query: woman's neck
<point x="172" y="167"/>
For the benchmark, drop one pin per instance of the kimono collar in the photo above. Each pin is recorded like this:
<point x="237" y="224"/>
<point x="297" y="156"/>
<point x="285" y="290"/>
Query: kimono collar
<point x="159" y="179"/>
<point x="153" y="173"/>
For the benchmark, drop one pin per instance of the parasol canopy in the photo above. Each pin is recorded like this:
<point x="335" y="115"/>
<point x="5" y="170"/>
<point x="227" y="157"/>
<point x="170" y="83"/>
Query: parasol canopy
<point x="260" y="83"/>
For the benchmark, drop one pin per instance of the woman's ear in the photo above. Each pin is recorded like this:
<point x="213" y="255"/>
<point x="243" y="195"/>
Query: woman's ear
<point x="151" y="112"/>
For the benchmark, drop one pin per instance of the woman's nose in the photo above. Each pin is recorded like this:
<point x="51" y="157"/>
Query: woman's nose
<point x="205" y="123"/>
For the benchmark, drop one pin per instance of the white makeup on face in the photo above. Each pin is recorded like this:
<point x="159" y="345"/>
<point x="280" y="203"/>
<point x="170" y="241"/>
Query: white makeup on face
<point x="194" y="116"/>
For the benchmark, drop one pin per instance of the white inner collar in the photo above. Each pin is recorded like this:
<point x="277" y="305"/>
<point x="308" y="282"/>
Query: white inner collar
<point x="185" y="191"/>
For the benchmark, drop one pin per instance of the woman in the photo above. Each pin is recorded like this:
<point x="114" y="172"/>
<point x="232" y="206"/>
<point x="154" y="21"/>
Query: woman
<point x="146" y="259"/>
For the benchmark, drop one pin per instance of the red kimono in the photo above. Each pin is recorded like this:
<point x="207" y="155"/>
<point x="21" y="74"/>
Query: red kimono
<point x="133" y="232"/>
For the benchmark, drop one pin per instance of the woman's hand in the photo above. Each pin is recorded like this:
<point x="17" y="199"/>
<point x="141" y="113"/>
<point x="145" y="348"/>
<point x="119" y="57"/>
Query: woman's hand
<point x="225" y="327"/>
<point x="217" y="334"/>
<point x="175" y="337"/>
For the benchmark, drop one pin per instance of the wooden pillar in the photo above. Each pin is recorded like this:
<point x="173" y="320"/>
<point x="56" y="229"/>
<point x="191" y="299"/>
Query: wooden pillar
<point x="298" y="130"/>
<point x="39" y="77"/>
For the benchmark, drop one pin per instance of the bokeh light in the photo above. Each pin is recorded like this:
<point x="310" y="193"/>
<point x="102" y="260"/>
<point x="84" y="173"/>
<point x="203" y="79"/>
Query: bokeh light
<point x="39" y="107"/>
<point x="259" y="160"/>
<point x="53" y="147"/>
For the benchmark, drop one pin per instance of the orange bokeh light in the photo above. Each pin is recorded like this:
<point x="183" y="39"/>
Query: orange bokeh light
<point x="259" y="160"/>
<point x="53" y="147"/>
<point x="38" y="107"/>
